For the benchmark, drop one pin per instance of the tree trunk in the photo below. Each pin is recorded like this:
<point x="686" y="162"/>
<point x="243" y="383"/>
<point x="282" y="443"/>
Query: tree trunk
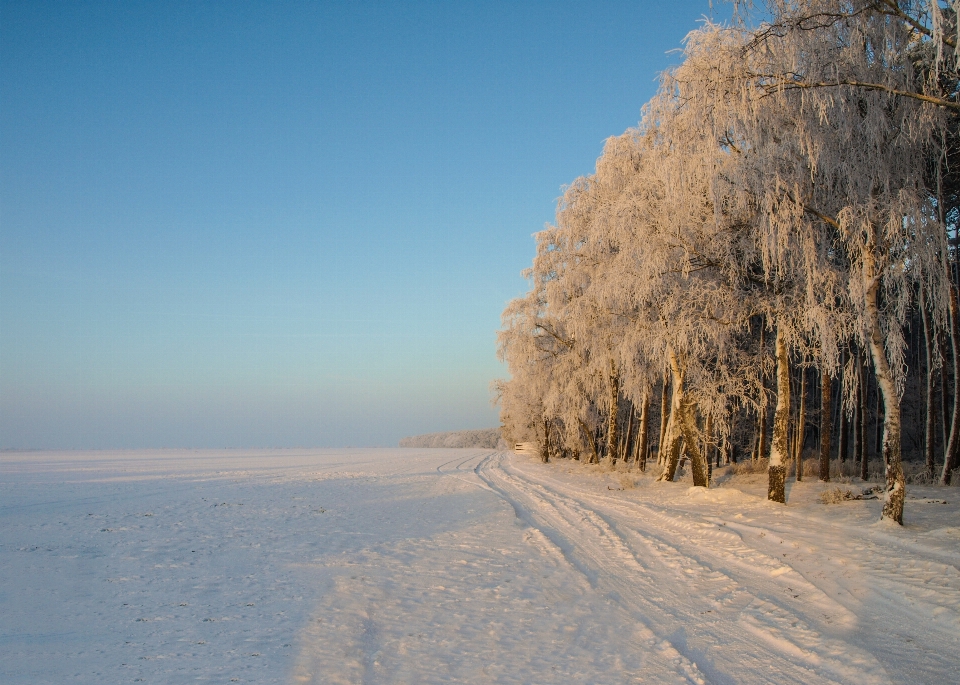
<point x="682" y="428"/>
<point x="664" y="417"/>
<point x="644" y="432"/>
<point x="855" y="419"/>
<point x="859" y="408"/>
<point x="844" y="442"/>
<point x="801" y="423"/>
<point x="944" y="422"/>
<point x="545" y="448"/>
<point x="792" y="423"/>
<point x="627" y="441"/>
<point x="864" y="452"/>
<point x="688" y="424"/>
<point x="708" y="446"/>
<point x="950" y="444"/>
<point x="723" y="453"/>
<point x="777" y="472"/>
<point x="950" y="453"/>
<point x="928" y="425"/>
<point x="591" y="443"/>
<point x="896" y="486"/>
<point x="857" y="411"/>
<point x="731" y="448"/>
<point x="670" y="447"/>
<point x="761" y="450"/>
<point x="879" y="427"/>
<point x="826" y="423"/>
<point x="844" y="446"/>
<point x="613" y="425"/>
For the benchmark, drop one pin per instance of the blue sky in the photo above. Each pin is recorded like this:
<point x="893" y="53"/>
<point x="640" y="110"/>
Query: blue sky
<point x="287" y="224"/>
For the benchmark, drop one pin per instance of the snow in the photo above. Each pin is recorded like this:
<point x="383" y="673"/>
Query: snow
<point x="457" y="565"/>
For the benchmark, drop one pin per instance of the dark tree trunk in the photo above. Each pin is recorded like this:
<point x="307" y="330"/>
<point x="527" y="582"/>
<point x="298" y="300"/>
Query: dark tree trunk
<point x="857" y="410"/>
<point x="843" y="443"/>
<point x="761" y="450"/>
<point x="864" y="454"/>
<point x="731" y="448"/>
<point x="801" y="422"/>
<point x="545" y="449"/>
<point x="879" y="424"/>
<point x="844" y="440"/>
<point x="613" y="426"/>
<point x="928" y="425"/>
<point x="944" y="414"/>
<point x="826" y="423"/>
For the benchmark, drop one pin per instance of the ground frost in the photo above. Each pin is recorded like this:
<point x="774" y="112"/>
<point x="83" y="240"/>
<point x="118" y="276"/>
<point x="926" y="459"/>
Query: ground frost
<point x="437" y="566"/>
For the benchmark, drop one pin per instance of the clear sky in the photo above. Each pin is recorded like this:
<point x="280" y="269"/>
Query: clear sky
<point x="239" y="224"/>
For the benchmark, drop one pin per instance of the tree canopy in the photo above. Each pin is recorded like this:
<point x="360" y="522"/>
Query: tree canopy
<point x="793" y="182"/>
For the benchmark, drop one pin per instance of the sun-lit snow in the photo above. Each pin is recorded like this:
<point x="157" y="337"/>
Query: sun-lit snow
<point x="437" y="566"/>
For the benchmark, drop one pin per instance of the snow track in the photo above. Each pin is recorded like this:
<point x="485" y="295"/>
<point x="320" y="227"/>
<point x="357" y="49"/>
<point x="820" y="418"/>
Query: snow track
<point x="447" y="565"/>
<point x="740" y="602"/>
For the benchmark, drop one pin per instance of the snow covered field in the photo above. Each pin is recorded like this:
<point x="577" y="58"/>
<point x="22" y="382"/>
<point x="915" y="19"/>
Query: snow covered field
<point x="435" y="566"/>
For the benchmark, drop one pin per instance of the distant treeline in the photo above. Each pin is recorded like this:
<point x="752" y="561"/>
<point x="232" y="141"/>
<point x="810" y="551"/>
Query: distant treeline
<point x="488" y="438"/>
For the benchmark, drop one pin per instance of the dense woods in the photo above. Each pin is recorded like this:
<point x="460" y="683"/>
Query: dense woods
<point x="765" y="268"/>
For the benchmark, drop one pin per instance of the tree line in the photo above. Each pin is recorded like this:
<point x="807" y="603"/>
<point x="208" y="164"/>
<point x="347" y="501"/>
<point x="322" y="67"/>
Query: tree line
<point x="769" y="259"/>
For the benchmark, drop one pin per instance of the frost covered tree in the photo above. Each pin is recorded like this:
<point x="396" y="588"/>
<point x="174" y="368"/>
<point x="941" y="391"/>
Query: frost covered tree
<point x="796" y="174"/>
<point x="861" y="128"/>
<point x="677" y="271"/>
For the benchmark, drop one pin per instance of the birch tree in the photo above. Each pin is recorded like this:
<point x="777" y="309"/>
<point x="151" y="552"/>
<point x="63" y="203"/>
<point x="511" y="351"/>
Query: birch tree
<point x="800" y="173"/>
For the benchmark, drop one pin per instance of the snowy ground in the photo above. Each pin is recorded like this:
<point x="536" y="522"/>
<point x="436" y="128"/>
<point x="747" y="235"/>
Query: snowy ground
<point x="436" y="566"/>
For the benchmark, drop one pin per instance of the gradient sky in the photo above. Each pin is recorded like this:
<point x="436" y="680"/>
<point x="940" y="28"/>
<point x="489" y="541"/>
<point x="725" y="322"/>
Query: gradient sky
<point x="248" y="224"/>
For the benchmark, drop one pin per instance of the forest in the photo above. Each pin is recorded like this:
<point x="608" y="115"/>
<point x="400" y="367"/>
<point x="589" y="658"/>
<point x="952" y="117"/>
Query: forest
<point x="766" y="267"/>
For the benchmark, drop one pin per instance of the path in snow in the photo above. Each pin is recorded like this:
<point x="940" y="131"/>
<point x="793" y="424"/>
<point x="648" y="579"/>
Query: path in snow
<point x="751" y="591"/>
<point x="420" y="566"/>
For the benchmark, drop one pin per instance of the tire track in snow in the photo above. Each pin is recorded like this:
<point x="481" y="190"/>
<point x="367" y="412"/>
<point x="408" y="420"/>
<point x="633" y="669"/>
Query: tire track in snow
<point x="446" y="604"/>
<point x="467" y="475"/>
<point x="908" y="605"/>
<point x="555" y="518"/>
<point x="927" y="588"/>
<point x="735" y="591"/>
<point x="774" y="585"/>
<point x="536" y="536"/>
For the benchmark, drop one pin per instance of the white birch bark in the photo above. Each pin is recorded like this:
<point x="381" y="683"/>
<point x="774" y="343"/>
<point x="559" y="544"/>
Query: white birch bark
<point x="928" y="389"/>
<point x="777" y="470"/>
<point x="644" y="432"/>
<point x="664" y="419"/>
<point x="950" y="453"/>
<point x="682" y="428"/>
<point x="673" y="434"/>
<point x="895" y="489"/>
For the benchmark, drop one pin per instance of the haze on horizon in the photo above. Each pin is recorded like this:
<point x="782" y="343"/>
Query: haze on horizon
<point x="294" y="224"/>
